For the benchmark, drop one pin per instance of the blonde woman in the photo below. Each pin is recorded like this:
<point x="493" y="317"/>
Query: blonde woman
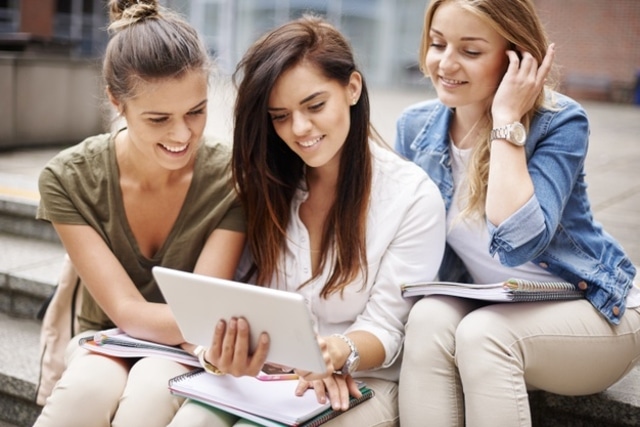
<point x="508" y="156"/>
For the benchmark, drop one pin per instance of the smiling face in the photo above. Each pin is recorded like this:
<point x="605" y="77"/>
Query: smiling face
<point x="311" y="113"/>
<point x="166" y="119"/>
<point x="466" y="57"/>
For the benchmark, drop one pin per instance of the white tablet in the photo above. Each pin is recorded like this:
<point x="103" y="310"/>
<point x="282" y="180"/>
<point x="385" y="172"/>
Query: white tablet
<point x="198" y="302"/>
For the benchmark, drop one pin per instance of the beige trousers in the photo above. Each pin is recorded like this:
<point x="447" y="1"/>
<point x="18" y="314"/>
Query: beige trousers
<point x="470" y="364"/>
<point x="100" y="391"/>
<point x="380" y="411"/>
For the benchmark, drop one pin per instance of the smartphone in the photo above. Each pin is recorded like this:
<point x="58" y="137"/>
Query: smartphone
<point x="272" y="372"/>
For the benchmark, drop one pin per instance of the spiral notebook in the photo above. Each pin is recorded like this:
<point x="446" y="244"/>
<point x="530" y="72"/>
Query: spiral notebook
<point x="512" y="290"/>
<point x="114" y="342"/>
<point x="268" y="403"/>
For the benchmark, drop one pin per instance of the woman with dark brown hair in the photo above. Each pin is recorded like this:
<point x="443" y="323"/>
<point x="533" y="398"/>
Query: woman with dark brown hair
<point x="332" y="214"/>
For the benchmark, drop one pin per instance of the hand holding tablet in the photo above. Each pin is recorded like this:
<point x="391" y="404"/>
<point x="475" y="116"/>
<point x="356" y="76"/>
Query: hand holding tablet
<point x="199" y="302"/>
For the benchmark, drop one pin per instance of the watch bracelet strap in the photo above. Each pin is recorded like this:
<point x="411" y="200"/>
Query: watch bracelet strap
<point x="346" y="339"/>
<point x="352" y="347"/>
<point x="499" y="133"/>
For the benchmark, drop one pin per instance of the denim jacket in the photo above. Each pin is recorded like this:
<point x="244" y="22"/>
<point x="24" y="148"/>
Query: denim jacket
<point x="555" y="229"/>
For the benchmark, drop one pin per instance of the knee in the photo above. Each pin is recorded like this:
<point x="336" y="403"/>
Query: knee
<point x="483" y="343"/>
<point x="88" y="373"/>
<point x="93" y="376"/>
<point x="429" y="330"/>
<point x="430" y="315"/>
<point x="151" y="374"/>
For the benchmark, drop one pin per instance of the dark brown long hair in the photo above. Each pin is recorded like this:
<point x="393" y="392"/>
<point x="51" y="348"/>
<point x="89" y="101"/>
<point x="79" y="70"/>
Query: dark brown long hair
<point x="267" y="173"/>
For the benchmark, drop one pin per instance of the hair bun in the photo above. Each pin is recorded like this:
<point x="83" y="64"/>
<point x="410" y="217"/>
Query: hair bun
<point x="124" y="13"/>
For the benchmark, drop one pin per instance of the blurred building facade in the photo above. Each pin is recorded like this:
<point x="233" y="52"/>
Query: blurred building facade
<point x="597" y="40"/>
<point x="50" y="89"/>
<point x="598" y="46"/>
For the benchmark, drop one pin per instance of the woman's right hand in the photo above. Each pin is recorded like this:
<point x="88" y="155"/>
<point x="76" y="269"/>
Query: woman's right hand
<point x="230" y="350"/>
<point x="335" y="387"/>
<point x="520" y="86"/>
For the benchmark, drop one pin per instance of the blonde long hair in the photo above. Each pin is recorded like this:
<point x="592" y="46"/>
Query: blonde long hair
<point x="518" y="22"/>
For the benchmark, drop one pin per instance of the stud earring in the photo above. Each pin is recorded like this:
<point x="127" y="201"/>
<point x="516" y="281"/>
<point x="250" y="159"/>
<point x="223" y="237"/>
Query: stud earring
<point x="354" y="101"/>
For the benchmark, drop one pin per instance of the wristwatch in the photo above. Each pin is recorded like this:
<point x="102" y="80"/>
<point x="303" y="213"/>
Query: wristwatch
<point x="514" y="132"/>
<point x="353" y="360"/>
<point x="208" y="367"/>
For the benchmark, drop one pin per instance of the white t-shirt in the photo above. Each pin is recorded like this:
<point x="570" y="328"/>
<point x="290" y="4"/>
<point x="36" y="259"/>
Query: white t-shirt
<point x="470" y="238"/>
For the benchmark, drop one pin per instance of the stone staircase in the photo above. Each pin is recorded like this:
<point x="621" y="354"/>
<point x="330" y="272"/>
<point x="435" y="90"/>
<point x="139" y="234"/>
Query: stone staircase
<point x="30" y="261"/>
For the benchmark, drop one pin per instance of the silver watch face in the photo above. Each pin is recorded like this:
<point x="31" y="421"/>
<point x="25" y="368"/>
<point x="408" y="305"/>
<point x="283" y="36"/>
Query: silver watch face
<point x="351" y="365"/>
<point x="517" y="134"/>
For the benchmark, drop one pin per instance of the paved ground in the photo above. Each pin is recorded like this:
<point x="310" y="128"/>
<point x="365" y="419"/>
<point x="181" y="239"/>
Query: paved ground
<point x="612" y="164"/>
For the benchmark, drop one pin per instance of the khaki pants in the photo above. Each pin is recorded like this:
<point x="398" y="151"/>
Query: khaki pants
<point x="100" y="391"/>
<point x="469" y="363"/>
<point x="380" y="411"/>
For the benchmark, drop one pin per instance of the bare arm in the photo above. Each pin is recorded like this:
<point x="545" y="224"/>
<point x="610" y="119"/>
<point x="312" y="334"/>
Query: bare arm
<point x="117" y="295"/>
<point x="221" y="254"/>
<point x="113" y="289"/>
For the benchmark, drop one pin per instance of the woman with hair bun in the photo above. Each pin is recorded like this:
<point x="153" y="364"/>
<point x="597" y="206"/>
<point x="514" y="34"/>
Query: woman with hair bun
<point x="152" y="193"/>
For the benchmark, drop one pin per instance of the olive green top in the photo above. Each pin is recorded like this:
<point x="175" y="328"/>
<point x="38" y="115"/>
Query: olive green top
<point x="80" y="185"/>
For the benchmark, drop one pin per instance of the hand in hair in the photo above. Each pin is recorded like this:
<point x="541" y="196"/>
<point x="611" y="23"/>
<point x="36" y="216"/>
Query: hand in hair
<point x="520" y="87"/>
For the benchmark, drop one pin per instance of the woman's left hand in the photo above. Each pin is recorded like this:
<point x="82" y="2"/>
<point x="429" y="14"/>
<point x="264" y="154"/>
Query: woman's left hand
<point x="520" y="86"/>
<point x="338" y="388"/>
<point x="230" y="350"/>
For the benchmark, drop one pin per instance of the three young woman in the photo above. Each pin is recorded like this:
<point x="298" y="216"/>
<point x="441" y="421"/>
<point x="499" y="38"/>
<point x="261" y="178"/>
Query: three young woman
<point x="331" y="214"/>
<point x="152" y="193"/>
<point x="507" y="154"/>
<point x="334" y="215"/>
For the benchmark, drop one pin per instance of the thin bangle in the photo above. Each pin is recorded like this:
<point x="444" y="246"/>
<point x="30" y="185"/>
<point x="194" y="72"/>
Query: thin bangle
<point x="208" y="367"/>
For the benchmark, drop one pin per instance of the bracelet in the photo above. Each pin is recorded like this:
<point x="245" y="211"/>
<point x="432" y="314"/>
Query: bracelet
<point x="353" y="359"/>
<point x="208" y="367"/>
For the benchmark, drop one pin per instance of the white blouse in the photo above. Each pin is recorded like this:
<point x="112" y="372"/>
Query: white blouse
<point x="405" y="243"/>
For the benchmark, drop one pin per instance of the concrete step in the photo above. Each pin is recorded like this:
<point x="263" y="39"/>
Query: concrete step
<point x="19" y="370"/>
<point x="29" y="268"/>
<point x="617" y="407"/>
<point x="18" y="216"/>
<point x="31" y="259"/>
